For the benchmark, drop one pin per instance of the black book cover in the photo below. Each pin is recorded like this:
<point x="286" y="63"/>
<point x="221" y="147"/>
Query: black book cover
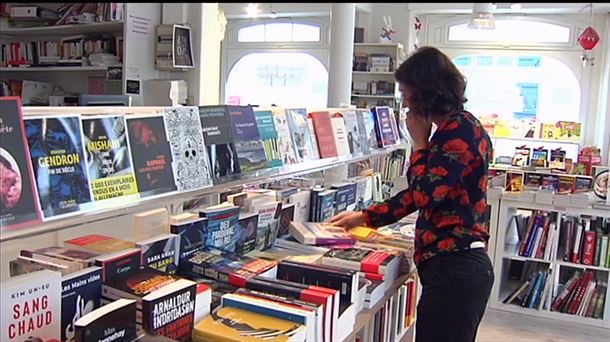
<point x="247" y="139"/>
<point x="247" y="233"/>
<point x="119" y="263"/>
<point x="161" y="252"/>
<point x="81" y="294"/>
<point x="341" y="196"/>
<point x="108" y="157"/>
<point x="286" y="216"/>
<point x="152" y="158"/>
<point x="319" y="276"/>
<point x="216" y="127"/>
<point x="114" y="322"/>
<point x="18" y="202"/>
<point x="192" y="236"/>
<point x="58" y="159"/>
<point x="137" y="283"/>
<point x="172" y="312"/>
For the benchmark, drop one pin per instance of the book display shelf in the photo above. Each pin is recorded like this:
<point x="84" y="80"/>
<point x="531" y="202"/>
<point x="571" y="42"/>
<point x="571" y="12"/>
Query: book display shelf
<point x="551" y="260"/>
<point x="119" y="234"/>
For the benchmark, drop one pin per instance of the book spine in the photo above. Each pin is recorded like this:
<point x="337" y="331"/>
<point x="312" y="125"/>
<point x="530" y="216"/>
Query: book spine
<point x="563" y="295"/>
<point x="577" y="241"/>
<point x="590" y="239"/>
<point x="604" y="252"/>
<point x="575" y="303"/>
<point x="598" y="247"/>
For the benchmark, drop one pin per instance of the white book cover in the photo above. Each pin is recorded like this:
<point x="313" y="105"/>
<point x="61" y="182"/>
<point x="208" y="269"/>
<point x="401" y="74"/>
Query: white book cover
<point x="283" y="130"/>
<point x="314" y="139"/>
<point x="340" y="134"/>
<point x="31" y="307"/>
<point x="353" y="133"/>
<point x="150" y="223"/>
<point x="301" y="202"/>
<point x="268" y="220"/>
<point x="190" y="161"/>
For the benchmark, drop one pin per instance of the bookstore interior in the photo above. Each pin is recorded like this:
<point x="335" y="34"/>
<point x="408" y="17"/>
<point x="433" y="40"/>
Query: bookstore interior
<point x="168" y="169"/>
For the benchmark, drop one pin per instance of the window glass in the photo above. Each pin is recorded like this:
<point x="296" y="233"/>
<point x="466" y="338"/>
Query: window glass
<point x="251" y="34"/>
<point x="305" y="33"/>
<point x="280" y="78"/>
<point x="520" y="87"/>
<point x="513" y="30"/>
<point x="279" y="32"/>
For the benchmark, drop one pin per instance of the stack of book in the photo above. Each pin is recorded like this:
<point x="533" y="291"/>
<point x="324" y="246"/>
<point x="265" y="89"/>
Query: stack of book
<point x="584" y="240"/>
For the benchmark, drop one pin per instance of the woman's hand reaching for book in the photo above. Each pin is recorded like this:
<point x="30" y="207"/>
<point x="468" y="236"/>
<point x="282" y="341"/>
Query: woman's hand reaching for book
<point x="348" y="219"/>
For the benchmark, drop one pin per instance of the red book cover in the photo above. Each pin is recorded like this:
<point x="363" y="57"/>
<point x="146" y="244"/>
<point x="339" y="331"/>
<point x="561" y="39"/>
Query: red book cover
<point x="18" y="193"/>
<point x="324" y="134"/>
<point x="589" y="247"/>
<point x="543" y="240"/>
<point x="578" y="297"/>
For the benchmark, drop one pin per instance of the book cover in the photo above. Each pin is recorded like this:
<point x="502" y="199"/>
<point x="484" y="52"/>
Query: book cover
<point x="58" y="161"/>
<point x="152" y="159"/>
<point x="161" y="252"/>
<point x="248" y="223"/>
<point x="227" y="267"/>
<point x="232" y="324"/>
<point x="119" y="263"/>
<point x="345" y="196"/>
<point x="31" y="307"/>
<point x="299" y="130"/>
<point x="286" y="216"/>
<point x="192" y="235"/>
<point x="287" y="148"/>
<point x="115" y="322"/>
<point x="99" y="243"/>
<point x="301" y="202"/>
<point x="23" y="265"/>
<point x="108" y="157"/>
<point x="521" y="156"/>
<point x="189" y="156"/>
<point x="216" y="127"/>
<point x="323" y="130"/>
<point x="314" y="139"/>
<point x="340" y="134"/>
<point x="314" y="233"/>
<point x="222" y="229"/>
<point x="366" y="127"/>
<point x="170" y="311"/>
<point x="514" y="181"/>
<point x="18" y="197"/>
<point x="383" y="126"/>
<point x="81" y="294"/>
<point x="80" y="257"/>
<point x="326" y="205"/>
<point x="268" y="222"/>
<point x="248" y="143"/>
<point x="354" y="140"/>
<point x="136" y="284"/>
<point x="150" y="223"/>
<point x="266" y="128"/>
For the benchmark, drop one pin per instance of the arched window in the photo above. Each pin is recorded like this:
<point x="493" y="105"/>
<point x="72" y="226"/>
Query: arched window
<point x="509" y="30"/>
<point x="520" y="87"/>
<point x="293" y="79"/>
<point x="279" y="32"/>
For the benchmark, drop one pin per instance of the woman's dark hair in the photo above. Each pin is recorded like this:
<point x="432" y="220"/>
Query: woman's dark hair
<point x="437" y="84"/>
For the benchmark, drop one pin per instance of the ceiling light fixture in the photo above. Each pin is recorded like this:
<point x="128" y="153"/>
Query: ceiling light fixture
<point x="273" y="15"/>
<point x="482" y="17"/>
<point x="515" y="7"/>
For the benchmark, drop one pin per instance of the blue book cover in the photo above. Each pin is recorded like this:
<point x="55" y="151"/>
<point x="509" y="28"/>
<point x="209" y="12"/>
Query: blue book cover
<point x="326" y="205"/>
<point x="538" y="290"/>
<point x="341" y="196"/>
<point x="351" y="196"/>
<point x="299" y="129"/>
<point x="248" y="223"/>
<point x="81" y="293"/>
<point x="192" y="236"/>
<point x="58" y="159"/>
<point x="384" y="127"/>
<point x="161" y="252"/>
<point x="247" y="139"/>
<point x="223" y="226"/>
<point x="263" y="309"/>
<point x="286" y="216"/>
<point x="268" y="132"/>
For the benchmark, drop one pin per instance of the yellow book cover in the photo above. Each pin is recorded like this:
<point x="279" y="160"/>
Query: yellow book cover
<point x="501" y="129"/>
<point x="236" y="325"/>
<point x="549" y="131"/>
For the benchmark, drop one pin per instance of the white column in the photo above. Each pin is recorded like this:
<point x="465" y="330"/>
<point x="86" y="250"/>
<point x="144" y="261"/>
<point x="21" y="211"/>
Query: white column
<point x="342" y="23"/>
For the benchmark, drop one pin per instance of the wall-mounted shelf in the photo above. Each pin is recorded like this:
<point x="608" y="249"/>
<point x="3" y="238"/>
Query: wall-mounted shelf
<point x="375" y="96"/>
<point x="109" y="26"/>
<point x="389" y="73"/>
<point x="53" y="69"/>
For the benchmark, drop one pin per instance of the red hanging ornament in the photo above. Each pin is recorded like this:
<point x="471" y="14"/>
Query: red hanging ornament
<point x="588" y="39"/>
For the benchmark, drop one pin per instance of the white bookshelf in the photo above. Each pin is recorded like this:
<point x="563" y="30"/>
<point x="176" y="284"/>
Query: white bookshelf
<point x="506" y="252"/>
<point x="64" y="30"/>
<point x="54" y="69"/>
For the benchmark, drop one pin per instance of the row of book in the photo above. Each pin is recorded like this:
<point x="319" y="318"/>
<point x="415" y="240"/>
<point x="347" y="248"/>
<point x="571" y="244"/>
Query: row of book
<point x="584" y="240"/>
<point x="535" y="234"/>
<point x="374" y="88"/>
<point x="373" y="62"/>
<point x="582" y="294"/>
<point x="560" y="130"/>
<point x="128" y="292"/>
<point x="34" y="15"/>
<point x="69" y="162"/>
<point x="578" y="292"/>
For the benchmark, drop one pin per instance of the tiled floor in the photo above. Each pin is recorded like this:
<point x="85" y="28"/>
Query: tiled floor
<point x="501" y="326"/>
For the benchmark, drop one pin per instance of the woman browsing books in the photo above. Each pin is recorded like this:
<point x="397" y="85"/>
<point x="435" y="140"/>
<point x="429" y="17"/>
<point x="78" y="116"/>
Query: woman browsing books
<point x="448" y="185"/>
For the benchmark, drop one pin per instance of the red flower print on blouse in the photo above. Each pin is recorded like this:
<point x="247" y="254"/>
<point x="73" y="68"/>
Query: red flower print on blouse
<point x="481" y="206"/>
<point x="438" y="171"/>
<point x="420" y="198"/>
<point x="441" y="191"/>
<point x="418" y="170"/>
<point x="428" y="237"/>
<point x="451" y="125"/>
<point x="455" y="146"/>
<point x="449" y="221"/>
<point x="447" y="244"/>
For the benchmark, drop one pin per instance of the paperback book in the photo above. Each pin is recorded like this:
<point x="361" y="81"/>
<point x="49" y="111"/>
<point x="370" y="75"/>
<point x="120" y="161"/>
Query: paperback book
<point x="319" y="234"/>
<point x="354" y="140"/>
<point x="81" y="293"/>
<point x="122" y="262"/>
<point x="18" y="195"/>
<point x="247" y="139"/>
<point x="248" y="224"/>
<point x="287" y="148"/>
<point x="217" y="135"/>
<point x="108" y="157"/>
<point x="366" y="127"/>
<point x="340" y="134"/>
<point x="115" y="322"/>
<point x="152" y="158"/>
<point x="323" y="130"/>
<point x="192" y="235"/>
<point x="161" y="252"/>
<point x="269" y="136"/>
<point x="223" y="225"/>
<point x="57" y="153"/>
<point x="189" y="156"/>
<point x="299" y="130"/>
<point x="384" y="128"/>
